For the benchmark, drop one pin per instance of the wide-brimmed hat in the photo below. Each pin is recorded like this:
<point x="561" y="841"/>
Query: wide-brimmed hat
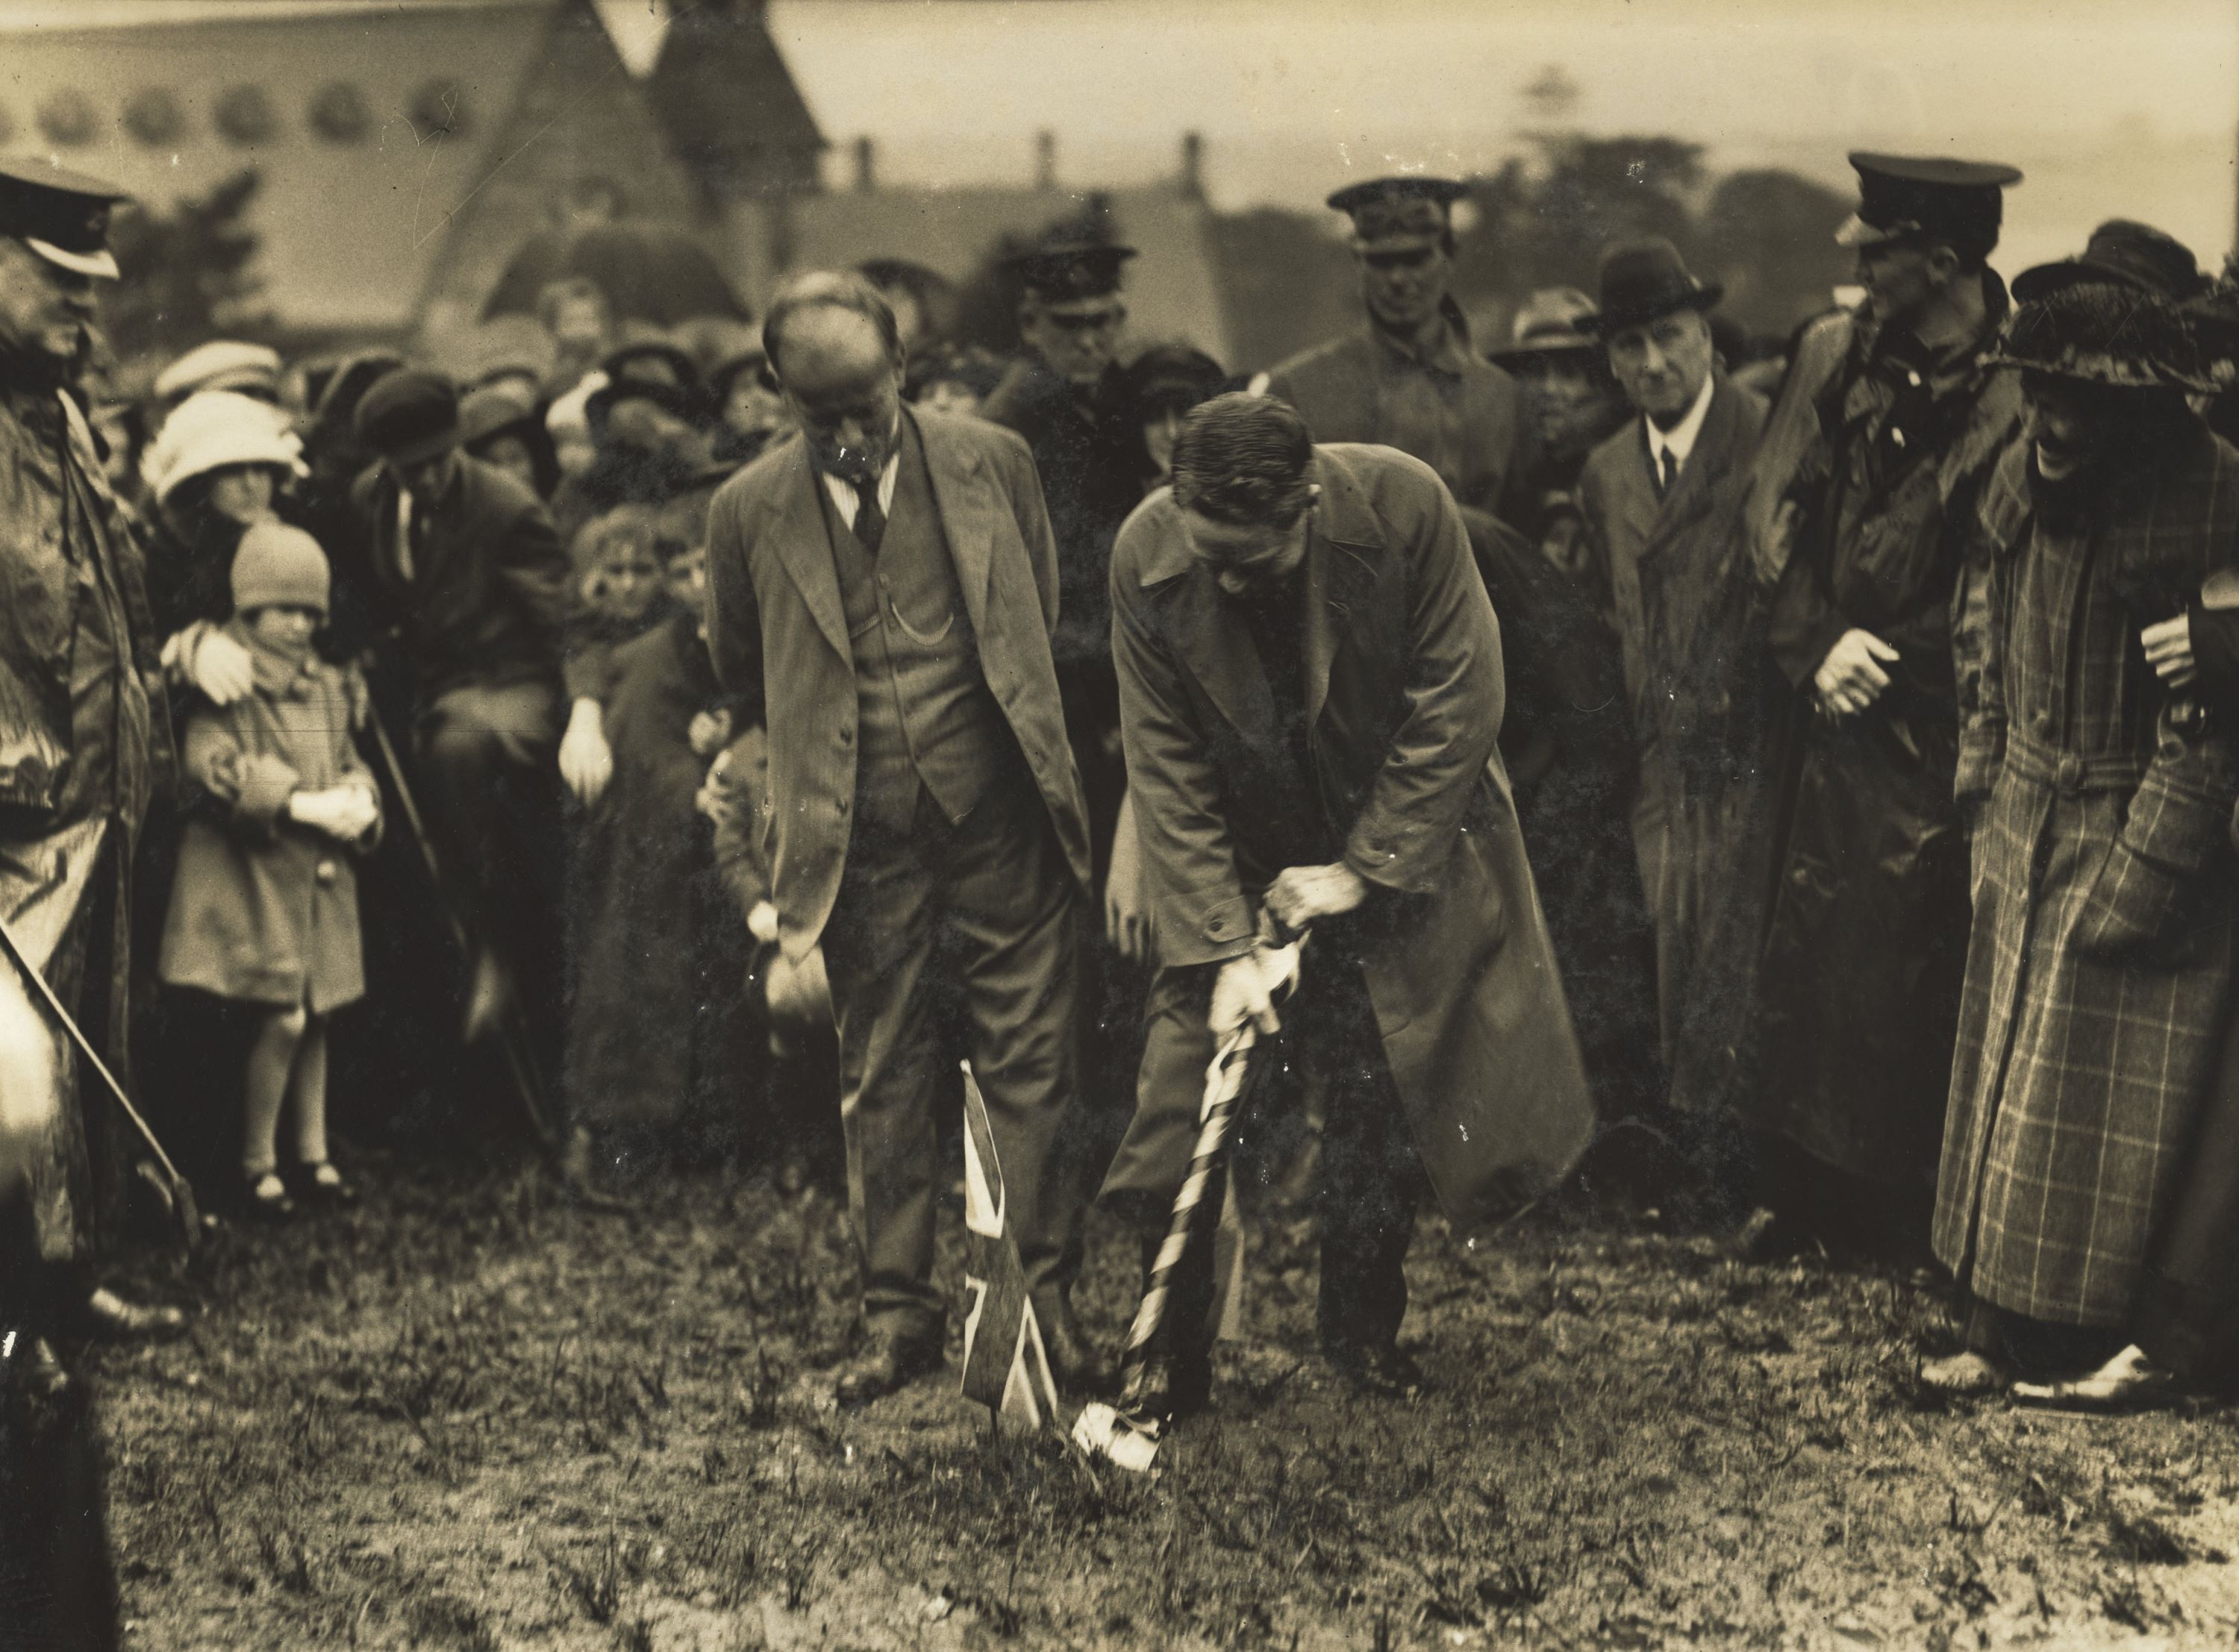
<point x="2125" y="253"/>
<point x="2104" y="333"/>
<point x="410" y="415"/>
<point x="1642" y="279"/>
<point x="212" y="429"/>
<point x="1551" y="322"/>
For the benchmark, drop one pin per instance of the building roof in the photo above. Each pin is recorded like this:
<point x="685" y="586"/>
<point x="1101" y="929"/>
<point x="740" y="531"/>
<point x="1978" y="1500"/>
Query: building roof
<point x="728" y="104"/>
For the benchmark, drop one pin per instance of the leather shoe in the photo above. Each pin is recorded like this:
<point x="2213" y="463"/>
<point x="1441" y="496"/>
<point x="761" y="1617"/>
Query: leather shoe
<point x="107" y="1317"/>
<point x="1382" y="1373"/>
<point x="1168" y="1388"/>
<point x="1074" y="1361"/>
<point x="890" y="1362"/>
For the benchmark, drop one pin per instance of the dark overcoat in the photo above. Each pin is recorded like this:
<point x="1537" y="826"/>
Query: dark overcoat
<point x="1404" y="704"/>
<point x="264" y="910"/>
<point x="2101" y="971"/>
<point x="779" y="635"/>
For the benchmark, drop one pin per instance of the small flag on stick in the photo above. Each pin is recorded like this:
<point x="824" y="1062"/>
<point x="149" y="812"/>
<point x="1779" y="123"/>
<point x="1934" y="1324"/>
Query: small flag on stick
<point x="1005" y="1367"/>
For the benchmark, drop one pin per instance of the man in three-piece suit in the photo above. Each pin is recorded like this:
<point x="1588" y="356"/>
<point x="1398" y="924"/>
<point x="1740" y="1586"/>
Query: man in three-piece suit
<point x="1310" y="680"/>
<point x="1662" y="500"/>
<point x="882" y="592"/>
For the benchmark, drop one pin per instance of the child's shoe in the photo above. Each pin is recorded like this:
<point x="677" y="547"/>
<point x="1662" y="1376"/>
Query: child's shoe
<point x="323" y="1185"/>
<point x="265" y="1197"/>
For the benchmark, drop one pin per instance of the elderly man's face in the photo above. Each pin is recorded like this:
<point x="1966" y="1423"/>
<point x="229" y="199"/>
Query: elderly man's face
<point x="1405" y="285"/>
<point x="44" y="309"/>
<point x="1662" y="364"/>
<point x="844" y="388"/>
<point x="1078" y="337"/>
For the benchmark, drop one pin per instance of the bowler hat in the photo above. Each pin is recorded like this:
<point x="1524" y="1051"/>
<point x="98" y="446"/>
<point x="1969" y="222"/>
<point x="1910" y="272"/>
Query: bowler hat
<point x="2128" y="254"/>
<point x="410" y="415"/>
<point x="1551" y="322"/>
<point x="60" y="215"/>
<point x="2105" y="332"/>
<point x="1642" y="279"/>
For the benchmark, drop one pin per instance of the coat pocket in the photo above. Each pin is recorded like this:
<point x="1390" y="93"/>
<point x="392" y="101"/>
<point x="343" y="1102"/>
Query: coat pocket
<point x="2131" y="907"/>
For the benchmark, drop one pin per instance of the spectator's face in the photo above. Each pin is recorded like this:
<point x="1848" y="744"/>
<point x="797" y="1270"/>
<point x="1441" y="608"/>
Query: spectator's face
<point x="428" y="478"/>
<point x="241" y="493"/>
<point x="1247" y="559"/>
<point x="686" y="575"/>
<point x="1662" y="364"/>
<point x="844" y="388"/>
<point x="754" y="409"/>
<point x="1160" y="430"/>
<point x="511" y="455"/>
<point x="1560" y="389"/>
<point x="2070" y="424"/>
<point x="1079" y="338"/>
<point x="1901" y="277"/>
<point x="627" y="577"/>
<point x="285" y="629"/>
<point x="1404" y="286"/>
<point x="950" y="395"/>
<point x="44" y="309"/>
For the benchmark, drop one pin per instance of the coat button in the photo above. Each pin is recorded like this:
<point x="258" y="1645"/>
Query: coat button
<point x="842" y="805"/>
<point x="2071" y="774"/>
<point x="2041" y="721"/>
<point x="326" y="873"/>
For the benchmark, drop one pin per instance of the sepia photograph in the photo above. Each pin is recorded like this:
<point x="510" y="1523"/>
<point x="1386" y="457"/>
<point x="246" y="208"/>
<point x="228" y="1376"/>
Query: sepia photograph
<point x="927" y="826"/>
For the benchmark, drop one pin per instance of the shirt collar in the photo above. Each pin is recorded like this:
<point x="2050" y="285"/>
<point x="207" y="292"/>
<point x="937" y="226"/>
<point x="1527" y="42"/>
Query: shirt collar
<point x="1681" y="438"/>
<point x="1449" y="356"/>
<point x="842" y="492"/>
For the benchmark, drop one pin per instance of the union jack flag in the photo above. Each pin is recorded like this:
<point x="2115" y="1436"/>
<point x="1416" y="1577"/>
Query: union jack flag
<point x="1005" y="1367"/>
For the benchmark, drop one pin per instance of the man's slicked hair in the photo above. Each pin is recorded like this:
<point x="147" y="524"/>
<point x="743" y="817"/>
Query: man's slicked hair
<point x="1245" y="460"/>
<point x="829" y="289"/>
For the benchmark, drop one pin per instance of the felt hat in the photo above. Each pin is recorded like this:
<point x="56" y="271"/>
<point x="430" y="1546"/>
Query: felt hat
<point x="1069" y="266"/>
<point x="222" y="364"/>
<point x="1171" y="377"/>
<point x="1903" y="197"/>
<point x="410" y="416"/>
<point x="1398" y="214"/>
<point x="2104" y="333"/>
<point x="277" y="566"/>
<point x="1551" y="322"/>
<point x="2125" y="253"/>
<point x="212" y="429"/>
<point x="493" y="410"/>
<point x="60" y="215"/>
<point x="1642" y="279"/>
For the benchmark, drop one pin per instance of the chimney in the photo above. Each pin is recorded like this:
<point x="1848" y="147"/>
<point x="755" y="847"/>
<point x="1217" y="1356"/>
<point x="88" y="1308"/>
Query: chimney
<point x="1045" y="160"/>
<point x="866" y="165"/>
<point x="1192" y="177"/>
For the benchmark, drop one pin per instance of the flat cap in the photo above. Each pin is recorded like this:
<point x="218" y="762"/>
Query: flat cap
<point x="60" y="215"/>
<point x="222" y="364"/>
<point x="1071" y="267"/>
<point x="1409" y="207"/>
<point x="410" y="416"/>
<point x="1902" y="195"/>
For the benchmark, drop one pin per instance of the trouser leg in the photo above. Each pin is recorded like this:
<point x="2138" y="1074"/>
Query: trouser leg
<point x="878" y="952"/>
<point x="1011" y="912"/>
<point x="1652" y="840"/>
<point x="1369" y="1168"/>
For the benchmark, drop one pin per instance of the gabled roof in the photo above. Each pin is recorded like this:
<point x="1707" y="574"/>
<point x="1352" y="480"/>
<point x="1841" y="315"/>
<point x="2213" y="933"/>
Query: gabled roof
<point x="728" y="104"/>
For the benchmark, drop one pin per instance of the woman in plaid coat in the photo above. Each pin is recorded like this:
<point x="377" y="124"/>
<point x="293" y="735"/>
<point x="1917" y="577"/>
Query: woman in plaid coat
<point x="2101" y="969"/>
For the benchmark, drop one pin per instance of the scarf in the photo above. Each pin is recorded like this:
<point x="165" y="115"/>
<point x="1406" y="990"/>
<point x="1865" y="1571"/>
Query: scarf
<point x="279" y="671"/>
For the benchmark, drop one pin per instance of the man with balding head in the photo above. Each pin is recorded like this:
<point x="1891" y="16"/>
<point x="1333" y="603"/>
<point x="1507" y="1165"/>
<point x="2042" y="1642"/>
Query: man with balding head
<point x="882" y="592"/>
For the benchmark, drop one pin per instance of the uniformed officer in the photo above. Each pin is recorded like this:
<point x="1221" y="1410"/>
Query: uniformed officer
<point x="1410" y="378"/>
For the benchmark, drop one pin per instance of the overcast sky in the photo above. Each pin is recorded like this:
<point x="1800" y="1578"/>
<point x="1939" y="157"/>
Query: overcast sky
<point x="2112" y="105"/>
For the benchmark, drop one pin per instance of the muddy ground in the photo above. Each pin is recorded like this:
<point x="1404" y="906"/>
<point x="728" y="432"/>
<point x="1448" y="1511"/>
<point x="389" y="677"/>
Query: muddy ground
<point x="465" y="1415"/>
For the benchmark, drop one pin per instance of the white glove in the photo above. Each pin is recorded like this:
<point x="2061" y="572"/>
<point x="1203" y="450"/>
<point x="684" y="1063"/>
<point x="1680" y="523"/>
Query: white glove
<point x="586" y="763"/>
<point x="220" y="667"/>
<point x="1246" y="988"/>
<point x="761" y="922"/>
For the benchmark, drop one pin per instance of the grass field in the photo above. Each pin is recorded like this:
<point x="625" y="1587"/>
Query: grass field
<point x="464" y="1416"/>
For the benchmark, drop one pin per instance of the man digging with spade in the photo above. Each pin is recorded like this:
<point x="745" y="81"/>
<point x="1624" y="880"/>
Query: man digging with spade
<point x="1311" y="690"/>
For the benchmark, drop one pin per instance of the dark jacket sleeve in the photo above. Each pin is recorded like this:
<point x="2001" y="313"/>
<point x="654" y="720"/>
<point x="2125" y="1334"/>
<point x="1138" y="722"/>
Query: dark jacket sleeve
<point x="1033" y="513"/>
<point x="1198" y="901"/>
<point x="734" y="624"/>
<point x="532" y="570"/>
<point x="1455" y="693"/>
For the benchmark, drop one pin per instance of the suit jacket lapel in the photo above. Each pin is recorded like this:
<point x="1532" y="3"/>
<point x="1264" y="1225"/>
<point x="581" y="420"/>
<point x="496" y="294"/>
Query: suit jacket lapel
<point x="805" y="548"/>
<point x="967" y="511"/>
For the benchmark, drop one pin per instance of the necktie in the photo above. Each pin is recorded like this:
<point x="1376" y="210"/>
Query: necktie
<point x="870" y="520"/>
<point x="1669" y="478"/>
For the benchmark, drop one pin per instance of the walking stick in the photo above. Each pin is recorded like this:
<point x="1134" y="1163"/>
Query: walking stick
<point x="178" y="1191"/>
<point x="1128" y="1435"/>
<point x="513" y="1033"/>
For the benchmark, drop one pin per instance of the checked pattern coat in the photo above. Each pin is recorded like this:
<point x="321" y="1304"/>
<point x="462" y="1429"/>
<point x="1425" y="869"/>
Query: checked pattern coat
<point x="2100" y="971"/>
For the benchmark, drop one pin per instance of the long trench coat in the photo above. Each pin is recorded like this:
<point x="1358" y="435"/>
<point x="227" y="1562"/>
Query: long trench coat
<point x="2101" y="971"/>
<point x="1404" y="703"/>
<point x="1858" y="979"/>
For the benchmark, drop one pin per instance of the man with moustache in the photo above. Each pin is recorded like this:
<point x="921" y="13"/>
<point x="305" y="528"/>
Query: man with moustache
<point x="881" y="595"/>
<point x="1410" y="378"/>
<point x="1310" y="675"/>
<point x="1902" y="415"/>
<point x="1661" y="503"/>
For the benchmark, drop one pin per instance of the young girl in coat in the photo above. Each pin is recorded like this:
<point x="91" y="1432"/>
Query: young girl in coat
<point x="264" y="909"/>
